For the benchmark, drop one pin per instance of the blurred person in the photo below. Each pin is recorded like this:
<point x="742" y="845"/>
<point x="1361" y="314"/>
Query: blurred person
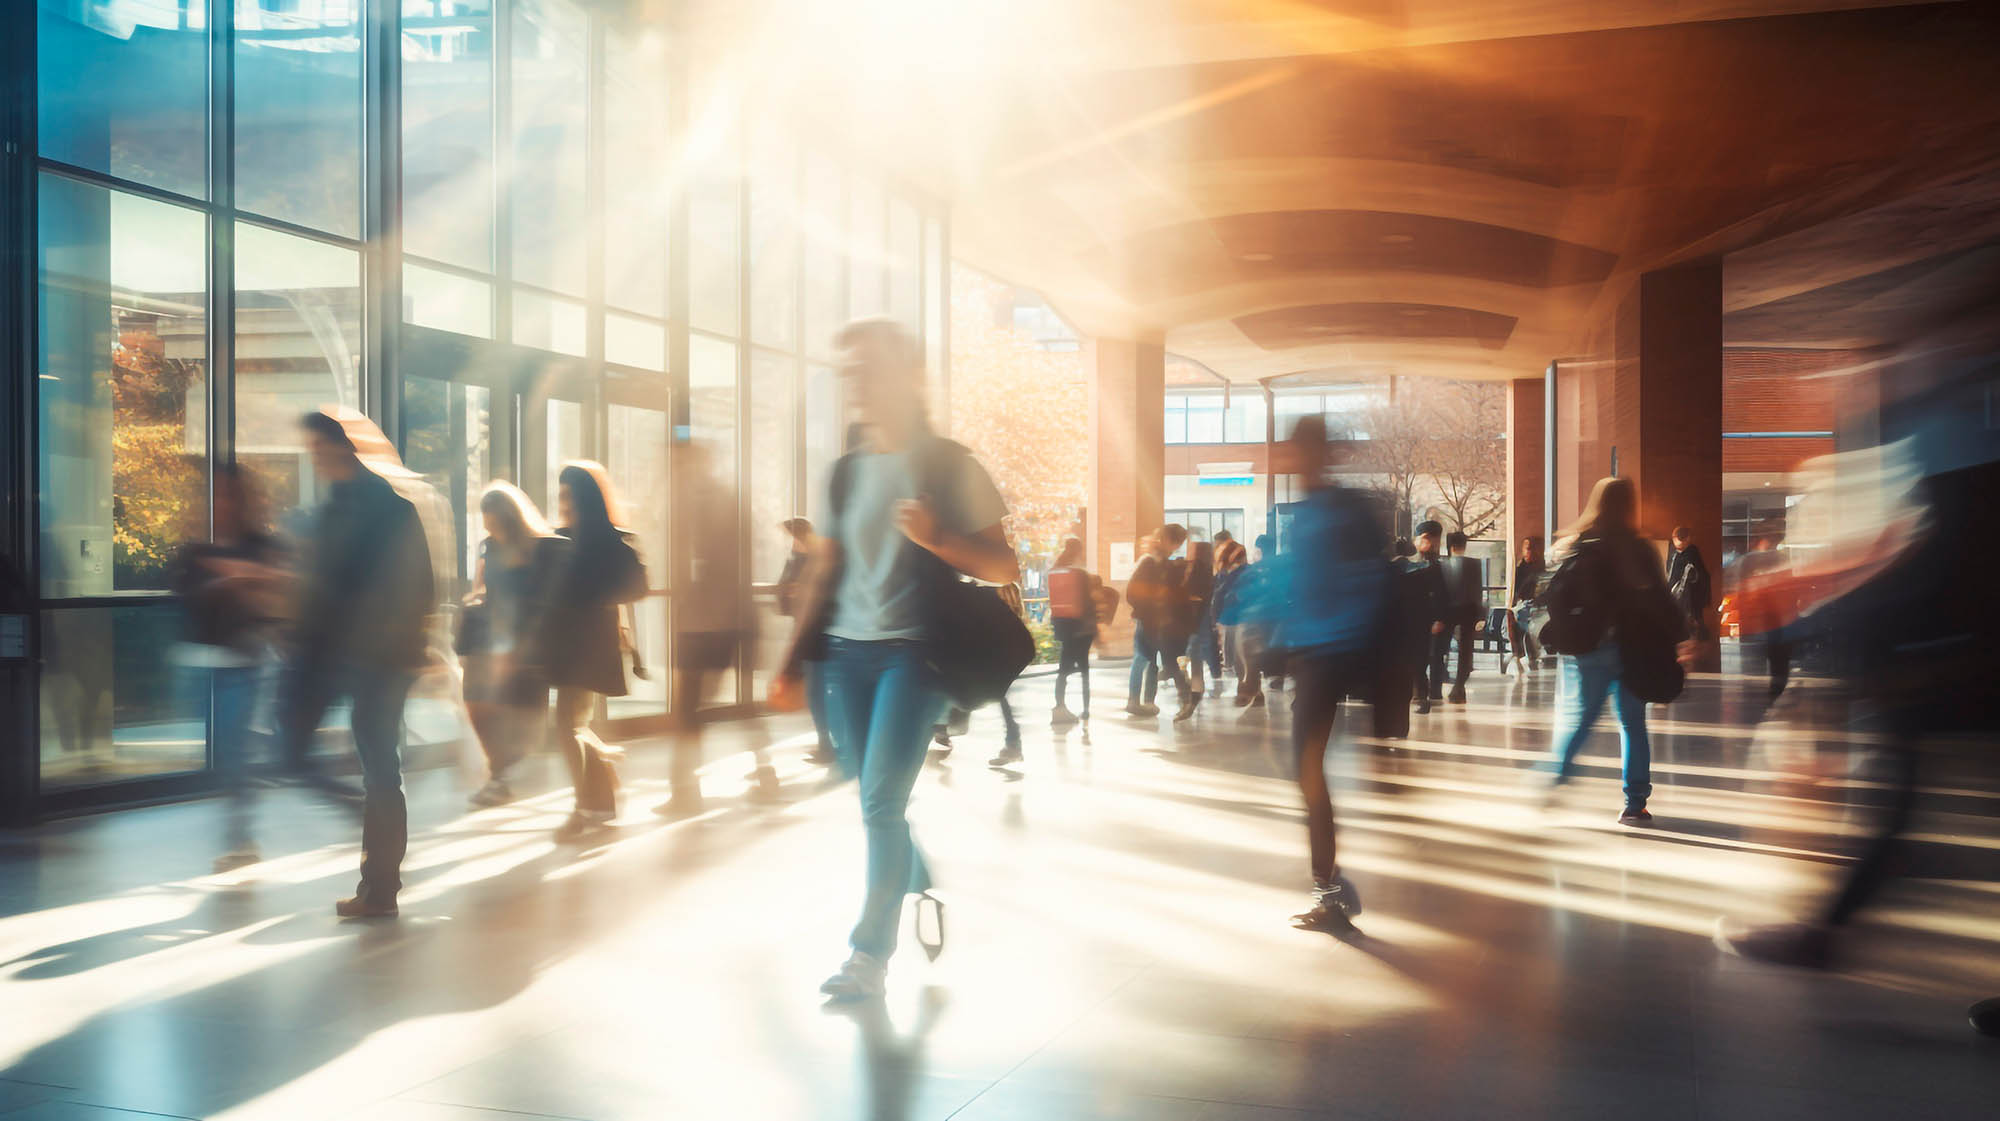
<point x="1257" y="603"/>
<point x="1010" y="751"/>
<point x="505" y="671"/>
<point x="791" y="585"/>
<point x="911" y="511"/>
<point x="1226" y="608"/>
<point x="1434" y="603"/>
<point x="1073" y="619"/>
<point x="1762" y="578"/>
<point x="1688" y="581"/>
<point x="1465" y="609"/>
<point x="712" y="624"/>
<point x="582" y="636"/>
<point x="233" y="588"/>
<point x="1404" y="646"/>
<point x="1197" y="622"/>
<point x="1155" y="593"/>
<point x="1528" y="571"/>
<point x="365" y="600"/>
<point x="1613" y="599"/>
<point x="1338" y="587"/>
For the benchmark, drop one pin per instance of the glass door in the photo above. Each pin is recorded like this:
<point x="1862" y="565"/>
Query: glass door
<point x="637" y="460"/>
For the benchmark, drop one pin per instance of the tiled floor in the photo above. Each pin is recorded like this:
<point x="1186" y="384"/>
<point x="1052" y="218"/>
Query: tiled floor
<point x="1118" y="943"/>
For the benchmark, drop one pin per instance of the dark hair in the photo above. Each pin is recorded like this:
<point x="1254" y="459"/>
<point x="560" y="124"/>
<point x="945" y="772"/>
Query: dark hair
<point x="1071" y="547"/>
<point x="1222" y="535"/>
<point x="1264" y="543"/>
<point x="1684" y="533"/>
<point x="1613" y="508"/>
<point x="1433" y="528"/>
<point x="327" y="428"/>
<point x="1456" y="539"/>
<point x="589" y="497"/>
<point x="1404" y="547"/>
<point x="1173" y="534"/>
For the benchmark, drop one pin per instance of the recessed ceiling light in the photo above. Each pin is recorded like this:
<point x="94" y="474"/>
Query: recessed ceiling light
<point x="1257" y="257"/>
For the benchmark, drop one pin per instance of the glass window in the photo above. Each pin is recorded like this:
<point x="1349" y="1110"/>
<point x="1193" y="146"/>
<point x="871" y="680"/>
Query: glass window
<point x="1176" y="410"/>
<point x="936" y="296"/>
<point x="113" y="706"/>
<point x="1246" y="417"/>
<point x="636" y="173"/>
<point x="825" y="437"/>
<point x="550" y="91"/>
<point x="714" y="250"/>
<point x="565" y="443"/>
<point x="1204" y="419"/>
<point x="648" y="695"/>
<point x="635" y="342"/>
<point x="448" y="132"/>
<point x="774" y="242"/>
<point x="549" y="322"/>
<point x="637" y="450"/>
<point x="825" y="261"/>
<point x="123" y="89"/>
<point x="298" y="112"/>
<point x="447" y="301"/>
<point x="865" y="254"/>
<point x="298" y="347"/>
<point x="124" y="387"/>
<point x="447" y="438"/>
<point x="906" y="234"/>
<point x="712" y="400"/>
<point x="1290" y="407"/>
<point x="774" y="388"/>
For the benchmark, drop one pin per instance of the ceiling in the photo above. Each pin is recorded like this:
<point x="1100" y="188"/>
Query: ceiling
<point x="1457" y="188"/>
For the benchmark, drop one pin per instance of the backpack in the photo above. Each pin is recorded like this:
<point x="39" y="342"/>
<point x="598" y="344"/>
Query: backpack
<point x="1104" y="599"/>
<point x="1570" y="603"/>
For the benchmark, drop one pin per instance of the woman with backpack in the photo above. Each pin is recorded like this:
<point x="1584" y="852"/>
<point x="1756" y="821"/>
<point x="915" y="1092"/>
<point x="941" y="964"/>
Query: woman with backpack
<point x="911" y="514"/>
<point x="1073" y="617"/>
<point x="1609" y="611"/>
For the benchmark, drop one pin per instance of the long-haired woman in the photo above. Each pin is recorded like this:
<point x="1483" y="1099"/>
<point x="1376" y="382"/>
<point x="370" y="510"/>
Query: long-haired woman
<point x="1073" y="618"/>
<point x="506" y="673"/>
<point x="1619" y="576"/>
<point x="910" y="510"/>
<point x="581" y="639"/>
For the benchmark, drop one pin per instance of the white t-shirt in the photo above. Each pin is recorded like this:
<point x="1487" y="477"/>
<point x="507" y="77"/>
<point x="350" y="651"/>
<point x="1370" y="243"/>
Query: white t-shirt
<point x="877" y="596"/>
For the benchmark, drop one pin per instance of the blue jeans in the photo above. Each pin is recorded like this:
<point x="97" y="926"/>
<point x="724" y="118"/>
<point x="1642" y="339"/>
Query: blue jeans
<point x="376" y="722"/>
<point x="816" y="704"/>
<point x="1145" y="653"/>
<point x="1587" y="680"/>
<point x="235" y="691"/>
<point x="883" y="701"/>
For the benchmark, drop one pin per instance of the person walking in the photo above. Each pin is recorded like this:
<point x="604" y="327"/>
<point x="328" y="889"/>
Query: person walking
<point x="1465" y="608"/>
<point x="790" y="587"/>
<point x="1010" y="750"/>
<point x="1688" y="582"/>
<point x="1338" y="600"/>
<point x="1763" y="584"/>
<point x="1405" y="641"/>
<point x="1256" y="599"/>
<point x="1197" y="622"/>
<point x="1521" y="640"/>
<point x="1434" y="603"/>
<point x="506" y="676"/>
<point x="1609" y="594"/>
<point x="583" y="638"/>
<point x="910" y="511"/>
<point x="1073" y="618"/>
<point x="365" y="604"/>
<point x="1227" y="612"/>
<point x="233" y="588"/>
<point x="1155" y="592"/>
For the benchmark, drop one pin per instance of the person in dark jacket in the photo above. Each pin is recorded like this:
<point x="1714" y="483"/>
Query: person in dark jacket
<point x="790" y="587"/>
<point x="232" y="589"/>
<point x="1431" y="612"/>
<point x="1155" y="590"/>
<point x="365" y="604"/>
<point x="1196" y="621"/>
<point x="1528" y="571"/>
<point x="1688" y="581"/>
<point x="1465" y="609"/>
<point x="506" y="673"/>
<point x="1619" y="574"/>
<point x="1405" y="642"/>
<point x="583" y="638"/>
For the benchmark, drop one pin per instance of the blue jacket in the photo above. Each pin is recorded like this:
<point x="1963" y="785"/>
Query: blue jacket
<point x="1335" y="576"/>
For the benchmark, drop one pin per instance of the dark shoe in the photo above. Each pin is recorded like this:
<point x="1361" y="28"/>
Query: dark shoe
<point x="1458" y="694"/>
<point x="362" y="907"/>
<point x="1985" y="1016"/>
<point x="1257" y="699"/>
<point x="1423" y="708"/>
<point x="1188" y="704"/>
<point x="1801" y="945"/>
<point x="1325" y="918"/>
<point x="1008" y="755"/>
<point x="1635" y="815"/>
<point x="929" y="935"/>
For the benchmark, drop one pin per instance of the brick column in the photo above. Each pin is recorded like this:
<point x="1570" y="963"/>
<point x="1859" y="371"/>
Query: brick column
<point x="1127" y="455"/>
<point x="1668" y="409"/>
<point x="1526" y="460"/>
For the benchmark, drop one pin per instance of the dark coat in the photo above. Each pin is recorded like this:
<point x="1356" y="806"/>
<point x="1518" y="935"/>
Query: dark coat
<point x="369" y="591"/>
<point x="579" y="638"/>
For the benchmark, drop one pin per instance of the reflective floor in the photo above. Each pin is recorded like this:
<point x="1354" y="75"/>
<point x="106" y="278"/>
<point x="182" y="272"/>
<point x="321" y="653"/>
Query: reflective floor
<point x="1118" y="941"/>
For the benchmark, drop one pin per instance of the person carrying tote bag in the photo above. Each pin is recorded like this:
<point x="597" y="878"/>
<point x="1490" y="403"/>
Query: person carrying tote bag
<point x="899" y="631"/>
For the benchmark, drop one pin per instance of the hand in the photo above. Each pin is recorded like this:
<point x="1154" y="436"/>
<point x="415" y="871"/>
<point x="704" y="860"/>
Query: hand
<point x="787" y="692"/>
<point x="1479" y="626"/>
<point x="1685" y="653"/>
<point x="918" y="521"/>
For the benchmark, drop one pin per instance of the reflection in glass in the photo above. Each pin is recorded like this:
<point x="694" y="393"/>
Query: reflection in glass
<point x="550" y="91"/>
<point x="447" y="301"/>
<point x="298" y="347"/>
<point x="865" y="255"/>
<point x="448" y="132"/>
<point x="636" y="173"/>
<point x="123" y="395"/>
<point x="712" y="400"/>
<point x="113" y="706"/>
<point x="298" y="112"/>
<point x="447" y="438"/>
<point x="549" y="322"/>
<point x="123" y="89"/>
<point x="774" y="389"/>
<point x="774" y="243"/>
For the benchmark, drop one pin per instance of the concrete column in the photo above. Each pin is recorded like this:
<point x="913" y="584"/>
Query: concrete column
<point x="1127" y="455"/>
<point x="1526" y="452"/>
<point x="1668" y="410"/>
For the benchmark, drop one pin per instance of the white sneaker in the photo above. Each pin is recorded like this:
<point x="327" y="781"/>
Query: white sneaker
<point x="863" y="976"/>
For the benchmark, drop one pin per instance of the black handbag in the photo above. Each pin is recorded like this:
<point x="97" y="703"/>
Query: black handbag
<point x="973" y="641"/>
<point x="474" y="634"/>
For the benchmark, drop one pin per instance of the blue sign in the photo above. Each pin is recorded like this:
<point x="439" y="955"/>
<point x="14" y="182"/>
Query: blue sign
<point x="1225" y="480"/>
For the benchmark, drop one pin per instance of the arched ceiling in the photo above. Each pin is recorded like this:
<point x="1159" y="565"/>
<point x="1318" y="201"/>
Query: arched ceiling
<point x="1450" y="187"/>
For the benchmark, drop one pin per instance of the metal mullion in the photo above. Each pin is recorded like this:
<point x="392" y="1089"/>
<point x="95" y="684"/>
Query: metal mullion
<point x="221" y="270"/>
<point x="944" y="312"/>
<point x="594" y="181"/>
<point x="382" y="211"/>
<point x="501" y="245"/>
<point x="20" y="731"/>
<point x="307" y="233"/>
<point x="124" y="186"/>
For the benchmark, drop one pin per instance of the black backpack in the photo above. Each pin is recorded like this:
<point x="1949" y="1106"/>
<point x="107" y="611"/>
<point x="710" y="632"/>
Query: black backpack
<point x="973" y="641"/>
<point x="1574" y="618"/>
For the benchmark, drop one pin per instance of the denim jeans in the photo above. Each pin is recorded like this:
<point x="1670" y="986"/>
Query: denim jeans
<point x="1145" y="682"/>
<point x="377" y="725"/>
<point x="816" y="704"/>
<point x="1074" y="657"/>
<point x="1587" y="680"/>
<point x="883" y="701"/>
<point x="235" y="690"/>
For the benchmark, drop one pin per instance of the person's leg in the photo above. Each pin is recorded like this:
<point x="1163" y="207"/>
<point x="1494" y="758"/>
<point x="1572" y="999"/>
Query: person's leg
<point x="1877" y="861"/>
<point x="385" y="827"/>
<point x="304" y="694"/>
<point x="815" y="684"/>
<point x="1778" y="656"/>
<point x="1012" y="725"/>
<point x="235" y="691"/>
<point x="1080" y="644"/>
<point x="1317" y="704"/>
<point x="1141" y="685"/>
<point x="581" y="749"/>
<point x="1636" y="750"/>
<point x="1195" y="657"/>
<point x="1586" y="679"/>
<point x="905" y="705"/>
<point x="690" y="685"/>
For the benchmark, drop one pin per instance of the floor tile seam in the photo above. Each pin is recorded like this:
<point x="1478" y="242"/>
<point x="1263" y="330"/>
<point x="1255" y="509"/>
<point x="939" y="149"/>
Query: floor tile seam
<point x="407" y="1092"/>
<point x="1060" y="1032"/>
<point x="77" y="1099"/>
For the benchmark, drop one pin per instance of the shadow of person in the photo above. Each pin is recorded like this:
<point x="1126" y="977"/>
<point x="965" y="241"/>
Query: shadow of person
<point x="892" y="1062"/>
<point x="212" y="913"/>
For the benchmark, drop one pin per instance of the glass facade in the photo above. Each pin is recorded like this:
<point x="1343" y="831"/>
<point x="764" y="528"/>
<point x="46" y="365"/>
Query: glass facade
<point x="234" y="223"/>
